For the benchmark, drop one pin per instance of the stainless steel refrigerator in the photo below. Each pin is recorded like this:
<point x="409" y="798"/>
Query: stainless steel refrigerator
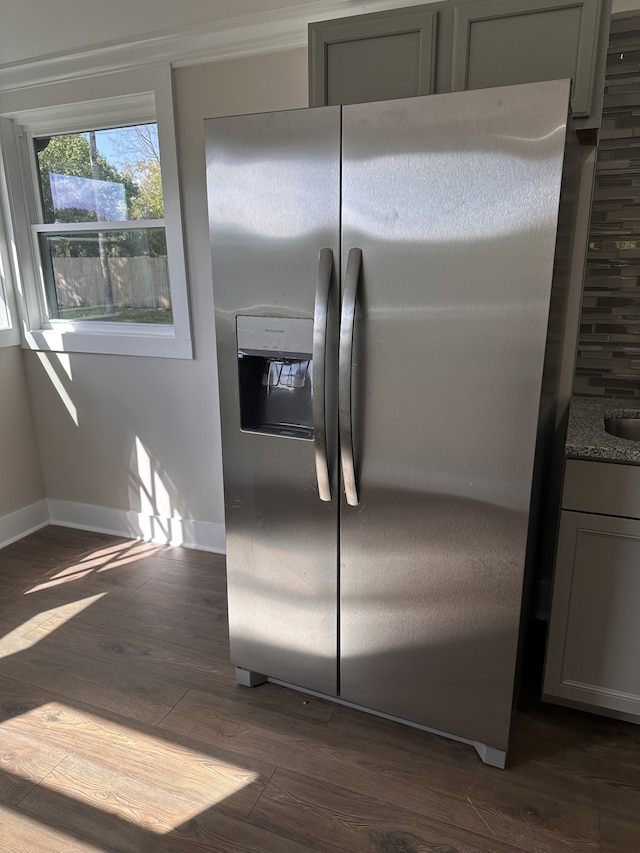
<point x="383" y="293"/>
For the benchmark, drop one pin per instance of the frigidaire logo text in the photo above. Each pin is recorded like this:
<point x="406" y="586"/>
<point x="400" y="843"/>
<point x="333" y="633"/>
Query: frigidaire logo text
<point x="275" y="331"/>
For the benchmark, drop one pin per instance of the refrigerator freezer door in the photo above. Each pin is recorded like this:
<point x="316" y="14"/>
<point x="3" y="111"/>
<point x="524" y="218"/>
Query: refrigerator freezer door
<point x="454" y="202"/>
<point x="274" y="191"/>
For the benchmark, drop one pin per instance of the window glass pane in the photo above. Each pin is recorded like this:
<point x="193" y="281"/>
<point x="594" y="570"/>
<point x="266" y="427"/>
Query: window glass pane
<point x="100" y="175"/>
<point x="116" y="276"/>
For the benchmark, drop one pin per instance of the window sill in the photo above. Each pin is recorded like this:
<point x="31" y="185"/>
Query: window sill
<point x="159" y="344"/>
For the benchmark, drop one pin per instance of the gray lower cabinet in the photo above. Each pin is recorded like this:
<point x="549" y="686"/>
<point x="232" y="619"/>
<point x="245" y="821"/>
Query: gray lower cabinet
<point x="593" y="649"/>
<point x="450" y="46"/>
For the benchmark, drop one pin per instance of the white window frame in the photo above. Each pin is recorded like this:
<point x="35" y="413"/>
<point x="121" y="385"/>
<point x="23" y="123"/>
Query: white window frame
<point x="9" y="331"/>
<point x="104" y="101"/>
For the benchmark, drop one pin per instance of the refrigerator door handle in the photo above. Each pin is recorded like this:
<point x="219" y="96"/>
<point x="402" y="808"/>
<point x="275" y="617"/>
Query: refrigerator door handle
<point x="345" y="363"/>
<point x="320" y="318"/>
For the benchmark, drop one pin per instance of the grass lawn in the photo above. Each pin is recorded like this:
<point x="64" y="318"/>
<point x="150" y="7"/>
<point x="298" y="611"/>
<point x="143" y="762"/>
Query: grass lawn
<point x="120" y="315"/>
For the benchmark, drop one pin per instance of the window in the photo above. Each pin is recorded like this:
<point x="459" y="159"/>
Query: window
<point x="94" y="183"/>
<point x="9" y="335"/>
<point x="5" y="315"/>
<point x="102" y="238"/>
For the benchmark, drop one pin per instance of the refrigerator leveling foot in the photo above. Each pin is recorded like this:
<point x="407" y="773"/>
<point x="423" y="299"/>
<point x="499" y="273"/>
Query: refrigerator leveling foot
<point x="249" y="678"/>
<point x="493" y="757"/>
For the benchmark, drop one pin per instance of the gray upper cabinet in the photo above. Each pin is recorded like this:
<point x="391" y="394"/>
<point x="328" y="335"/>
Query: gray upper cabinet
<point x="450" y="46"/>
<point x="498" y="42"/>
<point x="373" y="57"/>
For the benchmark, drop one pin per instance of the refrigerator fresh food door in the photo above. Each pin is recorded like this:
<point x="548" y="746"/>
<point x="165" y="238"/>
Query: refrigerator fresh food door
<point x="453" y="202"/>
<point x="274" y="194"/>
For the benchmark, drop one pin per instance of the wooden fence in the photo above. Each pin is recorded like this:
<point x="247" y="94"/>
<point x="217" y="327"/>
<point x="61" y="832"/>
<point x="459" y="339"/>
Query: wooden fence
<point x="136" y="282"/>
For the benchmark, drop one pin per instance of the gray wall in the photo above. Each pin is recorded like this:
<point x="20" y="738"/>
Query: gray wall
<point x="148" y="431"/>
<point x="20" y="479"/>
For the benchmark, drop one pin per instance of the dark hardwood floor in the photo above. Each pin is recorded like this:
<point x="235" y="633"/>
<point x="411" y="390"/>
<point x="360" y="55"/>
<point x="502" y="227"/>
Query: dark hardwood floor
<point x="122" y="729"/>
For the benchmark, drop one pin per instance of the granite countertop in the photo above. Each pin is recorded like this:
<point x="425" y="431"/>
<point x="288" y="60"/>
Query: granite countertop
<point x="586" y="436"/>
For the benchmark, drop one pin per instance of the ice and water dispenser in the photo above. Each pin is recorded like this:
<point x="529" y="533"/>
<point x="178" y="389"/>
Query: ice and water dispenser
<point x="275" y="374"/>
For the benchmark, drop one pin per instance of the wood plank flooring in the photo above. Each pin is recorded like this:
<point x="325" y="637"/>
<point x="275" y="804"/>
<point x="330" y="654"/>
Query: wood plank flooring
<point x="122" y="729"/>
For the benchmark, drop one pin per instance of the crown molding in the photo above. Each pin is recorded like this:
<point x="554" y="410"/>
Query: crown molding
<point x="625" y="6"/>
<point x="247" y="35"/>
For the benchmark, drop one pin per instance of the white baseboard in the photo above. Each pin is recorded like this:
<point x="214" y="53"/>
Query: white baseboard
<point x="18" y="524"/>
<point x="203" y="535"/>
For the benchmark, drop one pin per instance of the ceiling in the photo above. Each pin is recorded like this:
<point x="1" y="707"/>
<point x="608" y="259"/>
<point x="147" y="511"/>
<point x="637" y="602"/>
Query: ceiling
<point x="39" y="29"/>
<point x="33" y="29"/>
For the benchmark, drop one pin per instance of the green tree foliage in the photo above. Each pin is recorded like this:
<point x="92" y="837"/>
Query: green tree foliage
<point x="143" y="165"/>
<point x="149" y="203"/>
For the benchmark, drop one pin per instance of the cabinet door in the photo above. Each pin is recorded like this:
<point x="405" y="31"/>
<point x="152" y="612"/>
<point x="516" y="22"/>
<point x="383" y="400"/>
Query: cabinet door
<point x="594" y="635"/>
<point x="499" y="42"/>
<point x="372" y="57"/>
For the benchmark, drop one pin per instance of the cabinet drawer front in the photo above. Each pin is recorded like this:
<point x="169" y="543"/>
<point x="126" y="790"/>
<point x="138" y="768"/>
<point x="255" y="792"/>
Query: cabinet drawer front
<point x="602" y="487"/>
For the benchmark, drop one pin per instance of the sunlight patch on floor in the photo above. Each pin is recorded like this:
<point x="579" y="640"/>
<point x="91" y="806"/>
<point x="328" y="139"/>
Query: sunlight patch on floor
<point x="29" y="834"/>
<point x="138" y="777"/>
<point x="42" y="624"/>
<point x="101" y="560"/>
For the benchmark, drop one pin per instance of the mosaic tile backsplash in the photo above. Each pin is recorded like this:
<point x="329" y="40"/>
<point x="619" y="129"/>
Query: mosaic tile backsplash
<point x="608" y="362"/>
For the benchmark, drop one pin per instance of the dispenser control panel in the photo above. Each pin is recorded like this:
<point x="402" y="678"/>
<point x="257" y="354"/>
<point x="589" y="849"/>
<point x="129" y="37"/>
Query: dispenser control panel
<point x="257" y="335"/>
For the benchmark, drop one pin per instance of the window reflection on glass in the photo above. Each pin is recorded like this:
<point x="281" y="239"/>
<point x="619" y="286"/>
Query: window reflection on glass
<point x="100" y="200"/>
